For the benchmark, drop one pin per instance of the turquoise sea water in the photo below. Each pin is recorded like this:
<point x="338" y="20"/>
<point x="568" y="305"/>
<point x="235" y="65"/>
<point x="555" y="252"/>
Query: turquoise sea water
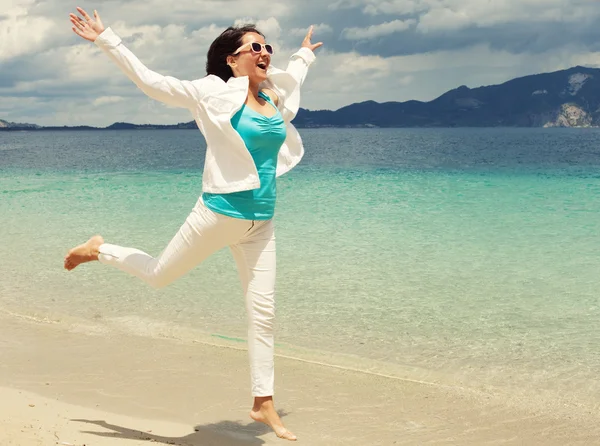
<point x="463" y="256"/>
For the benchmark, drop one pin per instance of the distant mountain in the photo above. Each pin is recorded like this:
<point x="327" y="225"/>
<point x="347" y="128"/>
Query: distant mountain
<point x="5" y="125"/>
<point x="127" y="126"/>
<point x="567" y="98"/>
<point x="8" y="126"/>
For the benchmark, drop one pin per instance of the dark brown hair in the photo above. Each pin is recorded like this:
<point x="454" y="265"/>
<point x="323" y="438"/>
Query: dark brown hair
<point x="223" y="46"/>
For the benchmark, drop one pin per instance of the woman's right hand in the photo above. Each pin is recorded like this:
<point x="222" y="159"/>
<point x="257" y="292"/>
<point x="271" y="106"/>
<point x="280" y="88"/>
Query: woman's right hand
<point x="87" y="27"/>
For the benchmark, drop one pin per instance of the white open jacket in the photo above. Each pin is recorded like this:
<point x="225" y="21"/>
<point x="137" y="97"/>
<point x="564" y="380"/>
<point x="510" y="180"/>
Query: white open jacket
<point x="228" y="166"/>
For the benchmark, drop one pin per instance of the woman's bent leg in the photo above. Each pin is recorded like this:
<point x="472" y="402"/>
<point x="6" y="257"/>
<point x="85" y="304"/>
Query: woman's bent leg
<point x="202" y="234"/>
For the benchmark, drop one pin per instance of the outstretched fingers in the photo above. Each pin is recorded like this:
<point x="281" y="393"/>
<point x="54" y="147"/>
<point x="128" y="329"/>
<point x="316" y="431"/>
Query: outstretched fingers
<point x="76" y="21"/>
<point x="84" y="14"/>
<point x="90" y="27"/>
<point x="307" y="40"/>
<point x="74" y="17"/>
<point x="309" y="34"/>
<point x="79" y="27"/>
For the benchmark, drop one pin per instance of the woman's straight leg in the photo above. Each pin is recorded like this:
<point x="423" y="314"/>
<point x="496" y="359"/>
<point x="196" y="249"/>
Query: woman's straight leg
<point x="256" y="261"/>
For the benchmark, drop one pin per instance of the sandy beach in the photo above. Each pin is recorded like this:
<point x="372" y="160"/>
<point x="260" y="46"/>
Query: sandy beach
<point x="62" y="387"/>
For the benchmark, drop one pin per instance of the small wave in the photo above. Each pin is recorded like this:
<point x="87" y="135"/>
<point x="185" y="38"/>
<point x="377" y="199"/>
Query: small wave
<point x="30" y="318"/>
<point x="32" y="190"/>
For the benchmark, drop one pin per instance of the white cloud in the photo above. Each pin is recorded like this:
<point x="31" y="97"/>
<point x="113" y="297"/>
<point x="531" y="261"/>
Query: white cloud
<point x="336" y="77"/>
<point x="20" y="33"/>
<point x="344" y="4"/>
<point x="102" y="100"/>
<point x="353" y="66"/>
<point x="399" y="7"/>
<point x="186" y="11"/>
<point x="318" y="31"/>
<point x="173" y="50"/>
<point x="10" y="103"/>
<point x="444" y="19"/>
<point x="54" y="77"/>
<point x="270" y="28"/>
<point x="374" y="31"/>
<point x="447" y="15"/>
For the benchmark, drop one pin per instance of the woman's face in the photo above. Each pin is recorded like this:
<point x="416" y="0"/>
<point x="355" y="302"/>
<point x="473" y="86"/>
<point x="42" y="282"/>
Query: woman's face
<point x="248" y="63"/>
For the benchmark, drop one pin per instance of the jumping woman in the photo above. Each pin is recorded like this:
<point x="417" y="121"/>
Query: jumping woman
<point x="244" y="108"/>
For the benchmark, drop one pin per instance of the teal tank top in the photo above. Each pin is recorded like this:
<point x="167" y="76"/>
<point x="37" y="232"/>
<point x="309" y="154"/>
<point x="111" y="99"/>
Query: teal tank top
<point x="263" y="137"/>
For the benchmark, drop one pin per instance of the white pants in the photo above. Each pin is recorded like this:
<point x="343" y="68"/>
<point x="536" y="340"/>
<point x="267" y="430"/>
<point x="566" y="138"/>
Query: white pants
<point x="204" y="232"/>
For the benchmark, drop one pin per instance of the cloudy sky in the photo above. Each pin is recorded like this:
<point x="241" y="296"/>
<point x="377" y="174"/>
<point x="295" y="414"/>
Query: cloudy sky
<point x="384" y="50"/>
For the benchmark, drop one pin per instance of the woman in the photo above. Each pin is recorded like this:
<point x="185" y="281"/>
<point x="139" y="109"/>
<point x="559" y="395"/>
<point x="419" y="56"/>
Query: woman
<point x="244" y="108"/>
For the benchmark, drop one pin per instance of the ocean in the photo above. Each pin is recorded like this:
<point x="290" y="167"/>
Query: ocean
<point x="461" y="257"/>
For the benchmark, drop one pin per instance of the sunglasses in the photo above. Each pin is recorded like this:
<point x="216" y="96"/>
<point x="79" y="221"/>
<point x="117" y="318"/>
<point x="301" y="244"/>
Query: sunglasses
<point x="256" y="48"/>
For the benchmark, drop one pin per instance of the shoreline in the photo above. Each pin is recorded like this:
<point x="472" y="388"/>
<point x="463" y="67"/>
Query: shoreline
<point x="518" y="388"/>
<point x="171" y="388"/>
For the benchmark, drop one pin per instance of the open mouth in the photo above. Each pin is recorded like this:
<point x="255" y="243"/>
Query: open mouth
<point x="262" y="65"/>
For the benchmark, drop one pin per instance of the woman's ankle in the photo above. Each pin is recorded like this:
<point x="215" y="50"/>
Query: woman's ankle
<point x="260" y="401"/>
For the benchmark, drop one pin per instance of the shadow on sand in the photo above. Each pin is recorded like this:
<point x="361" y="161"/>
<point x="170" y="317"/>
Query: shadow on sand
<point x="223" y="433"/>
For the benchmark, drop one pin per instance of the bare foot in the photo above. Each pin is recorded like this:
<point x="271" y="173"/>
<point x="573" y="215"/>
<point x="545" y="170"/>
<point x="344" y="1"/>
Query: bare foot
<point x="264" y="412"/>
<point x="83" y="253"/>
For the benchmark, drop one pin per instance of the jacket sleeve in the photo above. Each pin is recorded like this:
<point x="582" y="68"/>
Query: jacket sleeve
<point x="299" y="63"/>
<point x="167" y="89"/>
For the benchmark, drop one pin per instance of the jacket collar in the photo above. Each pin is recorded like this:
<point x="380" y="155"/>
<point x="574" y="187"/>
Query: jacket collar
<point x="279" y="80"/>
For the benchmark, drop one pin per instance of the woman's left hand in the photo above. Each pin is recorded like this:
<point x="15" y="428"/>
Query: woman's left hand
<point x="306" y="42"/>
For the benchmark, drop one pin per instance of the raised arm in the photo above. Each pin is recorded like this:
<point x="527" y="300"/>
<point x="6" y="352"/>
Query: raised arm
<point x="285" y="85"/>
<point x="301" y="60"/>
<point x="165" y="89"/>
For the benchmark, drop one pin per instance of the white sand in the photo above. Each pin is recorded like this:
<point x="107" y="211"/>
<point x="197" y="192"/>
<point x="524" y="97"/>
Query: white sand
<point x="61" y="387"/>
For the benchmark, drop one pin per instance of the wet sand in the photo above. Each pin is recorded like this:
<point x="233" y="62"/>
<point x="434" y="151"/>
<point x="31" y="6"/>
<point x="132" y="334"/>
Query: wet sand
<point x="61" y="386"/>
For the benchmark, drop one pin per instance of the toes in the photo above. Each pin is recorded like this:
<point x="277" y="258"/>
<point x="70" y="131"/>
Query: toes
<point x="69" y="263"/>
<point x="287" y="435"/>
